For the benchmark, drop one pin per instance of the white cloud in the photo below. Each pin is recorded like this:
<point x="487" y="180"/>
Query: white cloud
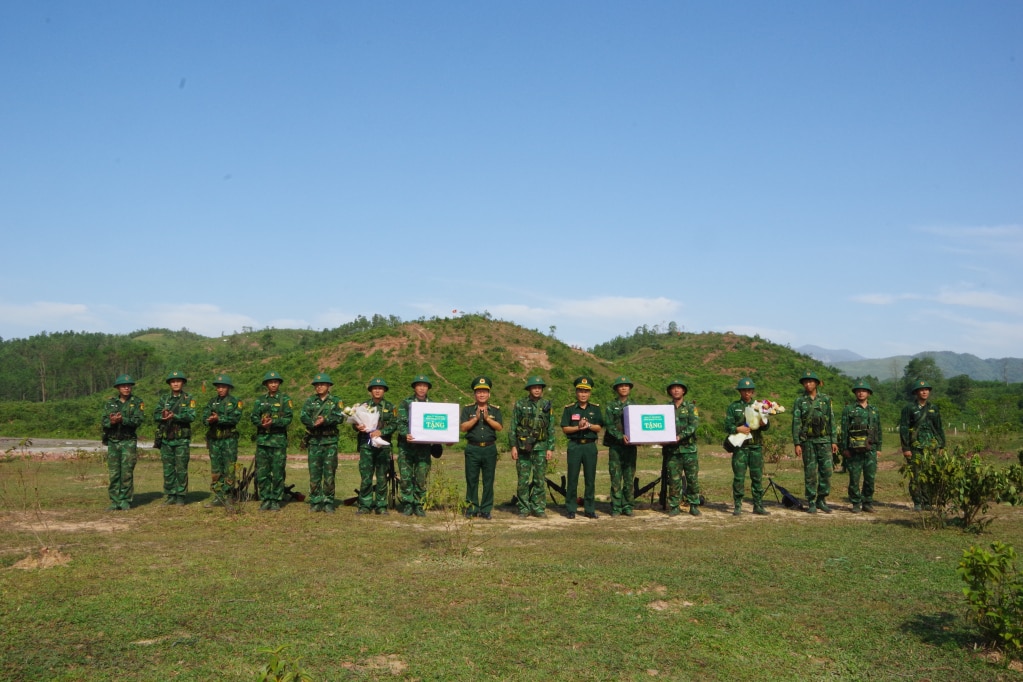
<point x="47" y="315"/>
<point x="986" y="300"/>
<point x="203" y="318"/>
<point x="996" y="240"/>
<point x="623" y="308"/>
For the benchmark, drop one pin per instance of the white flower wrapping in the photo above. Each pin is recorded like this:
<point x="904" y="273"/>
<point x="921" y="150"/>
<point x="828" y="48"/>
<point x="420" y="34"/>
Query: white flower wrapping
<point x="756" y="417"/>
<point x="366" y="416"/>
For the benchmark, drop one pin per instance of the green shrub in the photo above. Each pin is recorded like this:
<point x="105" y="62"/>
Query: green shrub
<point x="994" y="590"/>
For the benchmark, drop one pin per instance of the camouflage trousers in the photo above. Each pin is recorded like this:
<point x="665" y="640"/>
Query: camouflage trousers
<point x="817" y="468"/>
<point x="621" y="465"/>
<point x="174" y="454"/>
<point x="684" y="465"/>
<point x="374" y="463"/>
<point x="322" y="461"/>
<point x="223" y="457"/>
<point x="861" y="464"/>
<point x="121" y="458"/>
<point x="414" y="462"/>
<point x="270" y="471"/>
<point x="480" y="462"/>
<point x="581" y="456"/>
<point x="531" y="493"/>
<point x="751" y="457"/>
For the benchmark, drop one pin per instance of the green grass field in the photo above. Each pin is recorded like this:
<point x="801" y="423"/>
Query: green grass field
<point x="194" y="593"/>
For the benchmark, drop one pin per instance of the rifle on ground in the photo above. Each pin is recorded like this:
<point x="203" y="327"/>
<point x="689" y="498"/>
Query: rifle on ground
<point x="788" y="500"/>
<point x="553" y="487"/>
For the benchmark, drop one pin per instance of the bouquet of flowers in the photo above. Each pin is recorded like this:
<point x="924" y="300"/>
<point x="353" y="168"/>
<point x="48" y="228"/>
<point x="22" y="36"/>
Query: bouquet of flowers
<point x="756" y="417"/>
<point x="367" y="416"/>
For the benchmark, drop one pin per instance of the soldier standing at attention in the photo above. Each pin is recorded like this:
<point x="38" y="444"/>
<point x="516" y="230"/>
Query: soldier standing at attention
<point x="174" y="415"/>
<point x="373" y="460"/>
<point x="920" y="429"/>
<point x="272" y="415"/>
<point x="621" y="456"/>
<point x="480" y="422"/>
<point x="680" y="457"/>
<point x="222" y="414"/>
<point x="414" y="458"/>
<point x="581" y="421"/>
<point x="531" y="438"/>
<point x="321" y="414"/>
<point x="750" y="454"/>
<point x="861" y="439"/>
<point x="813" y="432"/>
<point x="122" y="415"/>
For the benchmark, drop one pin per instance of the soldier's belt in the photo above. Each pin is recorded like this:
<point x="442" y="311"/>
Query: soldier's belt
<point x="584" y="441"/>
<point x="482" y="443"/>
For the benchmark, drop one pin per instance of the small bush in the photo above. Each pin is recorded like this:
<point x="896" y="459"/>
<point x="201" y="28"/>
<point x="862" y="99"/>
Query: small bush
<point x="994" y="590"/>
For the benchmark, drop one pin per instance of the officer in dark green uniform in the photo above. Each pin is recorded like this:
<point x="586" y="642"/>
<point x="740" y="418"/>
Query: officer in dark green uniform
<point x="920" y="429"/>
<point x="174" y="415"/>
<point x="681" y="456"/>
<point x="414" y="460"/>
<point x="122" y="415"/>
<point x="750" y="454"/>
<point x="222" y="414"/>
<point x="621" y="455"/>
<point x="321" y="415"/>
<point x="860" y="441"/>
<point x="272" y="415"/>
<point x="813" y="433"/>
<point x="582" y="422"/>
<point x="480" y="422"/>
<point x="375" y="460"/>
<point x="531" y="439"/>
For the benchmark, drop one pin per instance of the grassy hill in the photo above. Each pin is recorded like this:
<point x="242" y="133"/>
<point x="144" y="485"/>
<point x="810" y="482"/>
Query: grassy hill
<point x="951" y="364"/>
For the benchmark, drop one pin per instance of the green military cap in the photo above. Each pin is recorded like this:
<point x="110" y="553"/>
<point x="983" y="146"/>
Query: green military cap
<point x="583" y="382"/>
<point x="622" y="381"/>
<point x="322" y="378"/>
<point x="808" y="375"/>
<point x="745" y="383"/>
<point x="377" y="381"/>
<point x="421" y="379"/>
<point x="482" y="382"/>
<point x="862" y="386"/>
<point x="676" y="382"/>
<point x="272" y="376"/>
<point x="222" y="380"/>
<point x="921" y="383"/>
<point x="124" y="380"/>
<point x="535" y="381"/>
<point x="176" y="375"/>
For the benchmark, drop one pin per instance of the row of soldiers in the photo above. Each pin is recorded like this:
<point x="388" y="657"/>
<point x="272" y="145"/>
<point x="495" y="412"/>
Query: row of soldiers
<point x="530" y="438"/>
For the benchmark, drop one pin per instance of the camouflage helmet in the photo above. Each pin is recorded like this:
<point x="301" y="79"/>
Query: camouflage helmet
<point x="677" y="381"/>
<point x="377" y="381"/>
<point x="482" y="382"/>
<point x="222" y="380"/>
<point x="535" y="381"/>
<point x="322" y="378"/>
<point x="862" y="386"/>
<point x="810" y="376"/>
<point x="176" y="375"/>
<point x="124" y="380"/>
<point x="621" y="381"/>
<point x="921" y="383"/>
<point x="421" y="379"/>
<point x="272" y="376"/>
<point x="745" y="383"/>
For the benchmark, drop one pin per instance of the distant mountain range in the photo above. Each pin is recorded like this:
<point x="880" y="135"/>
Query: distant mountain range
<point x="951" y="364"/>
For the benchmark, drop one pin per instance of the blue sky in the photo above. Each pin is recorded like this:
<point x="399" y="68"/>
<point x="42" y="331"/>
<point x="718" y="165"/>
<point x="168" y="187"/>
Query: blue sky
<point x="848" y="175"/>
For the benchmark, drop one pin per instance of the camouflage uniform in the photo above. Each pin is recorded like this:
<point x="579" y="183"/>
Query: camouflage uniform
<point x="750" y="455"/>
<point x="859" y="441"/>
<point x="271" y="444"/>
<point x="813" y="429"/>
<point x="322" y="441"/>
<point x="532" y="434"/>
<point x="920" y="428"/>
<point x="681" y="458"/>
<point x="175" y="435"/>
<point x="621" y="457"/>
<point x="582" y="453"/>
<point x="121" y="442"/>
<point x="480" y="454"/>
<point x="374" y="461"/>
<point x="222" y="439"/>
<point x="414" y="460"/>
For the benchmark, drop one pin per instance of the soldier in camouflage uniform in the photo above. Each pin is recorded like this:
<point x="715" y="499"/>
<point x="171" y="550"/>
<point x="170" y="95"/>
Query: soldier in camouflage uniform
<point x="860" y="441"/>
<point x="376" y="461"/>
<point x="680" y="457"/>
<point x="414" y="458"/>
<point x="531" y="439"/>
<point x="582" y="422"/>
<point x="813" y="433"/>
<point x="174" y="415"/>
<point x="122" y="415"/>
<point x="621" y="456"/>
<point x="321" y="414"/>
<point x="222" y="414"/>
<point x="272" y="415"/>
<point x="920" y="428"/>
<point x="480" y="422"/>
<point x="750" y="454"/>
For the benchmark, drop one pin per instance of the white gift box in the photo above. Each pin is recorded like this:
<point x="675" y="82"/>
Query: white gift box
<point x="433" y="422"/>
<point x="650" y="424"/>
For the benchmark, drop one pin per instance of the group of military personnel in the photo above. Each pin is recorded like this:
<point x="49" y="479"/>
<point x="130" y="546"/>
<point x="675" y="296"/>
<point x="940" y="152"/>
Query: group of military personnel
<point x="530" y="438"/>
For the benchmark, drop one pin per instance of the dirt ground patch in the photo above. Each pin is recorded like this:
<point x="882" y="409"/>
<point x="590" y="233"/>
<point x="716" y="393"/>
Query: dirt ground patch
<point x="44" y="522"/>
<point x="44" y="558"/>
